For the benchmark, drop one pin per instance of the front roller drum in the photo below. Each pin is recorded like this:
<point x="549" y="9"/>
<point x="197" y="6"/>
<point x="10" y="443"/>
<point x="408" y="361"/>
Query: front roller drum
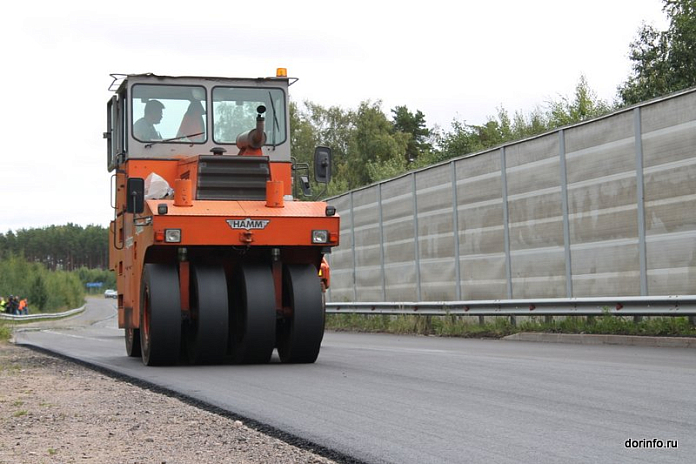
<point x="160" y="315"/>
<point x="301" y="332"/>
<point x="252" y="314"/>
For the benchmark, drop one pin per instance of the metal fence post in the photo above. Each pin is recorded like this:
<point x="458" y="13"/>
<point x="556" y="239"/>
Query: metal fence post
<point x="506" y="229"/>
<point x="566" y="219"/>
<point x="640" y="191"/>
<point x="352" y="239"/>
<point x="455" y="232"/>
<point x="415" y="236"/>
<point x="506" y="224"/>
<point x="381" y="242"/>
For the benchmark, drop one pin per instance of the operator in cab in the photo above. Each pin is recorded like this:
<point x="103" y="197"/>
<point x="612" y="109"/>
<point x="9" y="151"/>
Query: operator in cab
<point x="144" y="128"/>
<point x="192" y="126"/>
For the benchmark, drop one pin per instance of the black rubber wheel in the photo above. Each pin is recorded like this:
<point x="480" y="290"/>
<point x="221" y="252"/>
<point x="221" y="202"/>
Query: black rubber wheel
<point x="206" y="332"/>
<point x="252" y="314"/>
<point x="133" y="342"/>
<point x="300" y="334"/>
<point x="160" y="315"/>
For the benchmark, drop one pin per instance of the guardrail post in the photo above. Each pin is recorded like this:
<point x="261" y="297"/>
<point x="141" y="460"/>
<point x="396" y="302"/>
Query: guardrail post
<point x="692" y="320"/>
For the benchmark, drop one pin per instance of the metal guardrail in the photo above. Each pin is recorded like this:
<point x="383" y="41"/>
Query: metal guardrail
<point x="39" y="317"/>
<point x="677" y="305"/>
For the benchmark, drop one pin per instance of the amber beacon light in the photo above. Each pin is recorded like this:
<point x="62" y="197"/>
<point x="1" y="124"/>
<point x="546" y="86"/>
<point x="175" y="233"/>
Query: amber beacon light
<point x="282" y="72"/>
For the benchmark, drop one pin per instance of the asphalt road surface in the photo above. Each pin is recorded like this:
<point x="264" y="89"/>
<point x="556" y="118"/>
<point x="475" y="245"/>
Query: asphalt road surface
<point x="406" y="399"/>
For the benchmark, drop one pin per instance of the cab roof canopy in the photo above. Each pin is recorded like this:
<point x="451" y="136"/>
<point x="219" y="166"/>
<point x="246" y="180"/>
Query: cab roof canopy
<point x="120" y="80"/>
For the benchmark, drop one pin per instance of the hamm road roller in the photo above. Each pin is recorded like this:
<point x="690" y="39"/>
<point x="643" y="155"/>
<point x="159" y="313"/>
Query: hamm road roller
<point x="216" y="258"/>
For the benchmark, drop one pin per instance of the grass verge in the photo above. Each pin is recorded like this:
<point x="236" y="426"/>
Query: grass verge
<point x="498" y="327"/>
<point x="5" y="331"/>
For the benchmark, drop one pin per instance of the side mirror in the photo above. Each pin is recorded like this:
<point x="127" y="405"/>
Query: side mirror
<point x="135" y="195"/>
<point x="322" y="165"/>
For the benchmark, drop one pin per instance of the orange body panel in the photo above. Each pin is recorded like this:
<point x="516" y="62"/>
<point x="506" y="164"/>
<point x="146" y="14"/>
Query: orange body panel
<point x="205" y="223"/>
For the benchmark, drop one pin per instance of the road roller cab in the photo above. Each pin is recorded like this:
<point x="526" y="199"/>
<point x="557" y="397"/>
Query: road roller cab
<point x="216" y="258"/>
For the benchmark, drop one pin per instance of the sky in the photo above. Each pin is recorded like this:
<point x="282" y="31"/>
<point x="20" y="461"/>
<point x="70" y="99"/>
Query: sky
<point x="449" y="59"/>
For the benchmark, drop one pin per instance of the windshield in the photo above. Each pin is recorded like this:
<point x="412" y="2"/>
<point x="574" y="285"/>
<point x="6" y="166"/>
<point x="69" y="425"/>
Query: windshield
<point x="171" y="113"/>
<point x="235" y="111"/>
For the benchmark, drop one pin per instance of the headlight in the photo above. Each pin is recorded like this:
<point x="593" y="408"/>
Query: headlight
<point x="320" y="236"/>
<point x="172" y="235"/>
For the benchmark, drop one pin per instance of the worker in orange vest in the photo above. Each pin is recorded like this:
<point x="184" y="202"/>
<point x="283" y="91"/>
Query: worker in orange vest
<point x="23" y="306"/>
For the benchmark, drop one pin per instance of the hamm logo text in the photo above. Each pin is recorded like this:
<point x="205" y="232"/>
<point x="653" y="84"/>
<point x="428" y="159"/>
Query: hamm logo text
<point x="248" y="223"/>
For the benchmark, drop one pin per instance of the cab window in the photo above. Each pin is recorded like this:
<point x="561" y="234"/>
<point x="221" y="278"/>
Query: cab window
<point x="169" y="113"/>
<point x="235" y="111"/>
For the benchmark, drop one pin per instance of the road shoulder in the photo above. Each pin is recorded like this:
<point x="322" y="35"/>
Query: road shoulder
<point x="52" y="410"/>
<point x="597" y="339"/>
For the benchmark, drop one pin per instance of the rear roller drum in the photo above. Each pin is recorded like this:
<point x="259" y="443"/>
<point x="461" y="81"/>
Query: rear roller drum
<point x="300" y="334"/>
<point x="160" y="315"/>
<point x="252" y="314"/>
<point x="206" y="332"/>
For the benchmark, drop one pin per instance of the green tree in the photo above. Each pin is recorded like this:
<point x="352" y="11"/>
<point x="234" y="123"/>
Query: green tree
<point x="38" y="293"/>
<point x="585" y="105"/>
<point x="663" y="61"/>
<point x="65" y="247"/>
<point x="374" y="143"/>
<point x="526" y="126"/>
<point x="460" y="140"/>
<point x="303" y="137"/>
<point x="45" y="290"/>
<point x="412" y="124"/>
<point x="466" y="138"/>
<point x="9" y="244"/>
<point x="312" y="125"/>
